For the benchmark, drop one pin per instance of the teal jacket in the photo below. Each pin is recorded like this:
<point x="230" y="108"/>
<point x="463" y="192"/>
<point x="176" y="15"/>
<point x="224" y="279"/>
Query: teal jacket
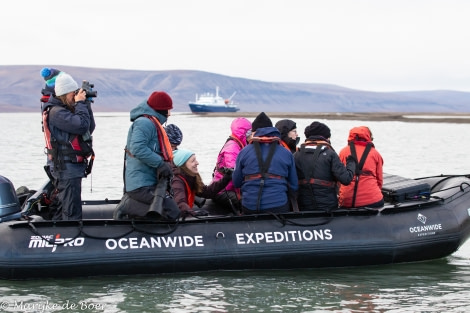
<point x="143" y="155"/>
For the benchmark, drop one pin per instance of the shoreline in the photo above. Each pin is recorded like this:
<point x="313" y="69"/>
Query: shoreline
<point x="424" y="117"/>
<point x="459" y="118"/>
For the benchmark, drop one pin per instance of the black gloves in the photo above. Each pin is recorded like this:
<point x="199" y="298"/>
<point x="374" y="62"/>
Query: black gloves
<point x="226" y="170"/>
<point x="164" y="171"/>
<point x="227" y="176"/>
<point x="351" y="163"/>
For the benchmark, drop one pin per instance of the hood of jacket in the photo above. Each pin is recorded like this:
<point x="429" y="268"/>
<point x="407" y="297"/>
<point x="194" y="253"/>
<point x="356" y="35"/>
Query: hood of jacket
<point x="267" y="132"/>
<point x="361" y="133"/>
<point x="142" y="109"/>
<point x="239" y="127"/>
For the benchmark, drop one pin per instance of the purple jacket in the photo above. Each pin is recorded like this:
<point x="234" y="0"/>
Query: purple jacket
<point x="232" y="147"/>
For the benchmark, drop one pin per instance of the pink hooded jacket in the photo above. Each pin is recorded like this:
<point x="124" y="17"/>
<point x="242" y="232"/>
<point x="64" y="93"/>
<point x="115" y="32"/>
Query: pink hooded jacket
<point x="232" y="147"/>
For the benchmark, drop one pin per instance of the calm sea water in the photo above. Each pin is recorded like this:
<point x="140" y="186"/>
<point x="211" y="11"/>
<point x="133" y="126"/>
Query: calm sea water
<point x="409" y="149"/>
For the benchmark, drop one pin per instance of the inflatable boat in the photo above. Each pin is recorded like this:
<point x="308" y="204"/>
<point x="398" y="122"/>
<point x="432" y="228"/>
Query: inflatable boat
<point x="423" y="219"/>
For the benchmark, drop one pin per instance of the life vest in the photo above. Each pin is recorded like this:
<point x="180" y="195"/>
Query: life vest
<point x="369" y="145"/>
<point x="309" y="168"/>
<point x="263" y="164"/>
<point x="265" y="139"/>
<point x="320" y="142"/>
<point x="316" y="181"/>
<point x="307" y="165"/>
<point x="190" y="194"/>
<point x="164" y="142"/>
<point x="240" y="144"/>
<point x="76" y="150"/>
<point x="285" y="145"/>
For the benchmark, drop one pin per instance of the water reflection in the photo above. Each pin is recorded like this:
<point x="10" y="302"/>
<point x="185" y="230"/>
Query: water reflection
<point x="435" y="286"/>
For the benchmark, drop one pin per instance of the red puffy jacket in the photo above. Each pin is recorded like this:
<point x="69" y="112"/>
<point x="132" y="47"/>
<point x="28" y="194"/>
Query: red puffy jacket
<point x="369" y="188"/>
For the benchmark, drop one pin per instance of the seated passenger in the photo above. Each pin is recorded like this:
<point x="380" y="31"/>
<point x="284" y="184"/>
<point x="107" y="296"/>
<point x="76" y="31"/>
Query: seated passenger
<point x="319" y="170"/>
<point x="175" y="135"/>
<point x="187" y="182"/>
<point x="289" y="138"/>
<point x="265" y="170"/>
<point x="240" y="132"/>
<point x="148" y="155"/>
<point x="365" y="189"/>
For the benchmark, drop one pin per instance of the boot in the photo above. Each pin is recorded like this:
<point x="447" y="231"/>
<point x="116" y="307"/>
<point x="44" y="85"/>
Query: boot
<point x="120" y="212"/>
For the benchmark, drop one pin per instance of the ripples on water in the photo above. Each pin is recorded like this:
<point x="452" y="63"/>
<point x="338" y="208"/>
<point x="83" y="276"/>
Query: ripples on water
<point x="411" y="150"/>
<point x="437" y="286"/>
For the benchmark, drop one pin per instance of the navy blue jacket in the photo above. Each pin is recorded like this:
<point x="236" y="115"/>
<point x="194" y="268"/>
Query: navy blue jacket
<point x="64" y="124"/>
<point x="274" y="193"/>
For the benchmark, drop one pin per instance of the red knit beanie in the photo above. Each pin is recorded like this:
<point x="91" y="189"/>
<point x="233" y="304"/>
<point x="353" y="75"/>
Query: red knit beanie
<point x="159" y="101"/>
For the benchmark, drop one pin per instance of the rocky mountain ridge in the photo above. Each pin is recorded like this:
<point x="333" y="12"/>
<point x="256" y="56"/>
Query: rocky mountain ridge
<point x="121" y="90"/>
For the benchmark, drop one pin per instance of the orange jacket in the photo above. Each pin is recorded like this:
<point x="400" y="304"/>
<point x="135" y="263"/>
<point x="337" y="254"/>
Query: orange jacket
<point x="369" y="189"/>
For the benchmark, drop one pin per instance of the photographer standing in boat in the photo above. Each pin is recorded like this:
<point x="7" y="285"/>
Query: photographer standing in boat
<point x="68" y="123"/>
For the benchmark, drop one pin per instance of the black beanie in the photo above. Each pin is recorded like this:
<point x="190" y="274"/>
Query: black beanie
<point x="285" y="126"/>
<point x="317" y="129"/>
<point x="262" y="120"/>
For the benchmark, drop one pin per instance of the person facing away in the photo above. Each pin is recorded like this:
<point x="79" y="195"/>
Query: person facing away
<point x="175" y="135"/>
<point x="289" y="138"/>
<point x="148" y="154"/>
<point x="229" y="197"/>
<point x="365" y="189"/>
<point x="187" y="182"/>
<point x="265" y="170"/>
<point x="68" y="123"/>
<point x="319" y="170"/>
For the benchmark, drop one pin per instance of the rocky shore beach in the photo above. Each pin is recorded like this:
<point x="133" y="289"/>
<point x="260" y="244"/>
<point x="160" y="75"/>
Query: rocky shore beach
<point x="461" y="118"/>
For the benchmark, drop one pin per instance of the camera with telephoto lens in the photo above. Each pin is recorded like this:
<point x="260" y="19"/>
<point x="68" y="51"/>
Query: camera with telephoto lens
<point x="88" y="87"/>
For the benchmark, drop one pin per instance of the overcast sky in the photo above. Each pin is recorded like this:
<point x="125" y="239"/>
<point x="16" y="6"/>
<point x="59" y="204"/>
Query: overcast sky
<point x="378" y="45"/>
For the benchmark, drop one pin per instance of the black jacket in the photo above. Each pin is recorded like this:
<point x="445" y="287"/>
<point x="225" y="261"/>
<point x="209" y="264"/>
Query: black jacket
<point x="326" y="169"/>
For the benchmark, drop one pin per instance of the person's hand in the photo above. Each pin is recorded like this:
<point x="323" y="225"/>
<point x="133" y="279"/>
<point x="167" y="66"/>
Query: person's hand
<point x="227" y="170"/>
<point x="228" y="174"/>
<point x="80" y="95"/>
<point x="350" y="158"/>
<point x="351" y="163"/>
<point x="164" y="171"/>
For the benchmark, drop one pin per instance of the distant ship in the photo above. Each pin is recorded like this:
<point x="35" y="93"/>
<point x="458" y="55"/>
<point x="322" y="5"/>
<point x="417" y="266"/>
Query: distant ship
<point x="208" y="102"/>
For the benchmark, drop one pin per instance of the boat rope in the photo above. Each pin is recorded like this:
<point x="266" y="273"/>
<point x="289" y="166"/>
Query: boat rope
<point x="52" y="241"/>
<point x="461" y="186"/>
<point x="284" y="221"/>
<point x="171" y="230"/>
<point x="107" y="237"/>
<point x="81" y="231"/>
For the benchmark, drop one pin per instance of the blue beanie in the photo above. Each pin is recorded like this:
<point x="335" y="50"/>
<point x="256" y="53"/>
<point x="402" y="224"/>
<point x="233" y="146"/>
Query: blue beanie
<point x="175" y="136"/>
<point x="180" y="156"/>
<point x="49" y="74"/>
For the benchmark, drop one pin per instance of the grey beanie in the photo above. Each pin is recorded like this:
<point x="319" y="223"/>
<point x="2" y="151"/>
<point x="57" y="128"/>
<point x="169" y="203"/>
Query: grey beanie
<point x="64" y="84"/>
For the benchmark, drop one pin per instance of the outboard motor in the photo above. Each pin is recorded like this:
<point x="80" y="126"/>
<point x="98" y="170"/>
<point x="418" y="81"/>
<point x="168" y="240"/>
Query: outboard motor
<point x="9" y="202"/>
